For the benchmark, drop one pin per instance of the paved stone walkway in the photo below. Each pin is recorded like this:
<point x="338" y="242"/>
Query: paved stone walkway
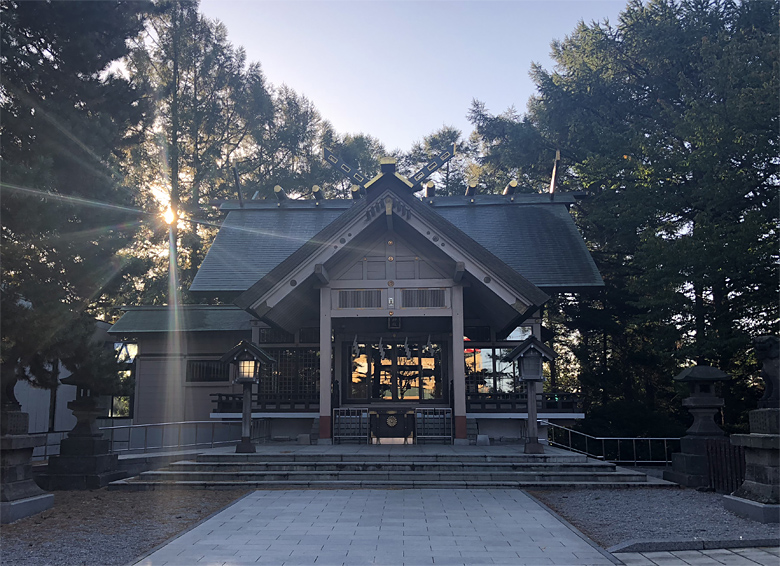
<point x="393" y="527"/>
<point x="717" y="557"/>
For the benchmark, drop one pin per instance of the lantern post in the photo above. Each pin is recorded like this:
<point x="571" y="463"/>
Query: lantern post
<point x="530" y="354"/>
<point x="248" y="359"/>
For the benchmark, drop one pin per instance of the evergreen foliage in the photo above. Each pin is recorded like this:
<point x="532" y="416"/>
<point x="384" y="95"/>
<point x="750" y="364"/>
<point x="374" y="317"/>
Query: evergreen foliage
<point x="66" y="119"/>
<point x="668" y="123"/>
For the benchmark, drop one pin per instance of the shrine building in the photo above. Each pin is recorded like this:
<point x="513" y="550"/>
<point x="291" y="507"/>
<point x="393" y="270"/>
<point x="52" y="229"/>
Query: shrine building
<point x="380" y="311"/>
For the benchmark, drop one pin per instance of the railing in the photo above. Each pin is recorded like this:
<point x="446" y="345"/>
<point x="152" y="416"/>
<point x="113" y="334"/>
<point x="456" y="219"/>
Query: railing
<point x="619" y="450"/>
<point x="143" y="438"/>
<point x="518" y="402"/>
<point x="232" y="402"/>
<point x="432" y="424"/>
<point x="351" y="424"/>
<point x="51" y="447"/>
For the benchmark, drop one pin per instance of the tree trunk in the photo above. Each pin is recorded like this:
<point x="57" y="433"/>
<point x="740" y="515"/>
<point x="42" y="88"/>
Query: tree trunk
<point x="699" y="322"/>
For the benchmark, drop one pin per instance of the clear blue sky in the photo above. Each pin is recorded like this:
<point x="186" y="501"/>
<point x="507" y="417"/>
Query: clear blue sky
<point x="399" y="70"/>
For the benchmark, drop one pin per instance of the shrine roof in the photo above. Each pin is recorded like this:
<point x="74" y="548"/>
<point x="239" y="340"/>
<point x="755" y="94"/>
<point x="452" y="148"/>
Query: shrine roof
<point x="531" y="233"/>
<point x="193" y="318"/>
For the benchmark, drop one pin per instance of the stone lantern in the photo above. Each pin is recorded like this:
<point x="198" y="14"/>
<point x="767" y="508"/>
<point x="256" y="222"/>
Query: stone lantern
<point x="702" y="402"/>
<point x="690" y="467"/>
<point x="248" y="359"/>
<point x="530" y="354"/>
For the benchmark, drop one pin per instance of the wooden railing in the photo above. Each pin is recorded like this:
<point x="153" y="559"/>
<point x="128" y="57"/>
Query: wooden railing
<point x="518" y="403"/>
<point x="232" y="402"/>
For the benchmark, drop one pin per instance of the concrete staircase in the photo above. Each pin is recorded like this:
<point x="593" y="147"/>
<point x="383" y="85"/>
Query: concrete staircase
<point x="367" y="470"/>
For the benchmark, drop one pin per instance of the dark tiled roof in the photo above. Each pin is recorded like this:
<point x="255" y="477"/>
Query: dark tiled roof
<point x="535" y="237"/>
<point x="194" y="318"/>
<point x="509" y="276"/>
<point x="539" y="241"/>
<point x="254" y="240"/>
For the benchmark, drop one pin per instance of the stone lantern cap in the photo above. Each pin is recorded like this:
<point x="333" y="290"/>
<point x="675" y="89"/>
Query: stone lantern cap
<point x="530" y="343"/>
<point x="245" y="348"/>
<point x="701" y="373"/>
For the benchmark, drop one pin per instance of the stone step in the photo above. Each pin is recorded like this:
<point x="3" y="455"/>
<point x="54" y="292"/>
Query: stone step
<point x="396" y="457"/>
<point x="472" y="467"/>
<point x="384" y="476"/>
<point x="129" y="485"/>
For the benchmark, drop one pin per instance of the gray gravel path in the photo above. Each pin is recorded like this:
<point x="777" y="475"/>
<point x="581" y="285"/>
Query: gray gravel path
<point x="610" y="517"/>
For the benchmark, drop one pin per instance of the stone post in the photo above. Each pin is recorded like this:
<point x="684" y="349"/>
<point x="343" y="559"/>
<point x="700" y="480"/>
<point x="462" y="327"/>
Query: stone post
<point x="246" y="446"/>
<point x="20" y="496"/>
<point x="532" y="444"/>
<point x="690" y="467"/>
<point x="758" y="497"/>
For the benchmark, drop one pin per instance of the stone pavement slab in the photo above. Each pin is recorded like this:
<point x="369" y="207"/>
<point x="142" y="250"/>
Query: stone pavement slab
<point x="425" y="526"/>
<point x="719" y="557"/>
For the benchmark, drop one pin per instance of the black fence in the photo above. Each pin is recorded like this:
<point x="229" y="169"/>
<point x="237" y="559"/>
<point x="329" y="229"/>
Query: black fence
<point x="726" y="464"/>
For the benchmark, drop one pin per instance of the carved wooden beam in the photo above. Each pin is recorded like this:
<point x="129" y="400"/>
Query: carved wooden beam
<point x="321" y="273"/>
<point x="460" y="269"/>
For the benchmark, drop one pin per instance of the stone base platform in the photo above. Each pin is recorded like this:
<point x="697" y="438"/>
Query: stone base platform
<point x="11" y="511"/>
<point x="760" y="512"/>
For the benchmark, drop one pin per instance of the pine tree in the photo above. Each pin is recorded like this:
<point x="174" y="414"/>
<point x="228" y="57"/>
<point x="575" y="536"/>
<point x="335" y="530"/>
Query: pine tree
<point x="668" y="122"/>
<point x="66" y="117"/>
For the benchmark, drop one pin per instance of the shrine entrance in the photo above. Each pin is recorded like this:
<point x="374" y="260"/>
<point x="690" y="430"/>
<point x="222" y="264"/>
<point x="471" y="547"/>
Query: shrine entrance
<point x="396" y="371"/>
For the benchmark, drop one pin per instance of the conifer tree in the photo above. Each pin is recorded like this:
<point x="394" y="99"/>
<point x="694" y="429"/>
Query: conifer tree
<point x="66" y="119"/>
<point x="668" y="122"/>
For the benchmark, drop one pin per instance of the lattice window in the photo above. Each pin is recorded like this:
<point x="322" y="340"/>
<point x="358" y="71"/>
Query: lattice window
<point x="422" y="298"/>
<point x="207" y="371"/>
<point x="275" y="336"/>
<point x="308" y="371"/>
<point x="360" y="299"/>
<point x="296" y="372"/>
<point x="309" y="335"/>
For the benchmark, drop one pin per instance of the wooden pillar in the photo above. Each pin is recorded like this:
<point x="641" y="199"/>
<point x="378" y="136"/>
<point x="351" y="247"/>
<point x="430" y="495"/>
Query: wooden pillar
<point x="325" y="365"/>
<point x="532" y="445"/>
<point x="458" y="365"/>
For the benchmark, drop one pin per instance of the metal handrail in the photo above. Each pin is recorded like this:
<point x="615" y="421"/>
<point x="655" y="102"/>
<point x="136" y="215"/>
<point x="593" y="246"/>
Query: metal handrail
<point x="610" y="446"/>
<point x="42" y="452"/>
<point x="351" y="423"/>
<point x="433" y="423"/>
<point x="113" y="441"/>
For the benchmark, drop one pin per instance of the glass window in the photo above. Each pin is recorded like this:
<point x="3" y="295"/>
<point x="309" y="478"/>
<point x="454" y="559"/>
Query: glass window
<point x="507" y="373"/>
<point x="430" y="372"/>
<point x="520" y="333"/>
<point x="382" y="371"/>
<point x="479" y="369"/>
<point x="408" y="372"/>
<point x="358" y="388"/>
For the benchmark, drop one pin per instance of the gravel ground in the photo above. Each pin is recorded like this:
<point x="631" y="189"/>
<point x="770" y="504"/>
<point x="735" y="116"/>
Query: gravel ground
<point x="610" y="517"/>
<point x="105" y="528"/>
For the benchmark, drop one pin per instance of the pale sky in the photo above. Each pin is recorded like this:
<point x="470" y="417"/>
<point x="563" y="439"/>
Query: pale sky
<point x="399" y="70"/>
